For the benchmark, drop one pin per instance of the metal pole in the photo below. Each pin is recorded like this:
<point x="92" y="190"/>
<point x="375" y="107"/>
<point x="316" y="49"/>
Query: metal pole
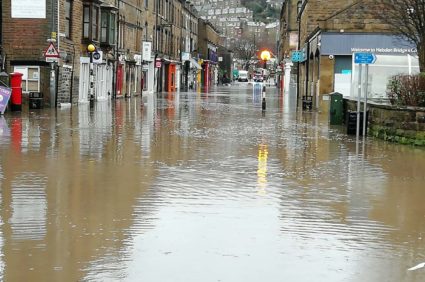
<point x="91" y="92"/>
<point x="359" y="82"/>
<point x="52" y="86"/>
<point x="365" y="101"/>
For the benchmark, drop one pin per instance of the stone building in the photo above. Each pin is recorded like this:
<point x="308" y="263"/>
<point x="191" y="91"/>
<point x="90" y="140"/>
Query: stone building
<point x="25" y="30"/>
<point x="139" y="47"/>
<point x="189" y="45"/>
<point x="288" y="29"/>
<point x="167" y="44"/>
<point x="209" y="40"/>
<point x="329" y="33"/>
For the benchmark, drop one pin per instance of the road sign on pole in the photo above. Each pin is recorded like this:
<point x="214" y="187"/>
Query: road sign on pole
<point x="51" y="51"/>
<point x="364" y="58"/>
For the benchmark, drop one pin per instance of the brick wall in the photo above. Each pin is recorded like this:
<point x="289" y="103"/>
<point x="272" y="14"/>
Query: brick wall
<point x="25" y="41"/>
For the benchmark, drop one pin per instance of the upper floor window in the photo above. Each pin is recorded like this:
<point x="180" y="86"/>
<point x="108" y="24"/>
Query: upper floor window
<point x="68" y="18"/>
<point x="91" y="17"/>
<point x="108" y="27"/>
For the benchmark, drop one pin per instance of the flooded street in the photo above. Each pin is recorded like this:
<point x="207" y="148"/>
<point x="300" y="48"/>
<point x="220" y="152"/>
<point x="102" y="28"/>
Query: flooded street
<point x="203" y="187"/>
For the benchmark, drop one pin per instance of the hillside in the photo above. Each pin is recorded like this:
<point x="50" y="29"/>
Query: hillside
<point x="263" y="12"/>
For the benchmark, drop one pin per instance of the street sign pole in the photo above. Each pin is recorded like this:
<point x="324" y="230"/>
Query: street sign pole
<point x="359" y="96"/>
<point x="365" y="101"/>
<point x="363" y="59"/>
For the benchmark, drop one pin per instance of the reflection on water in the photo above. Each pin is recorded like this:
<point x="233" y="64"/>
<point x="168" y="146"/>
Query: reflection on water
<point x="262" y="168"/>
<point x="202" y="186"/>
<point x="29" y="204"/>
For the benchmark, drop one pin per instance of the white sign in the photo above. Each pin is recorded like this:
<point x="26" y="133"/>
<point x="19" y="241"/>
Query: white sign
<point x="185" y="56"/>
<point x="138" y="60"/>
<point x="99" y="59"/>
<point x="52" y="59"/>
<point x="385" y="50"/>
<point x="147" y="50"/>
<point x="29" y="9"/>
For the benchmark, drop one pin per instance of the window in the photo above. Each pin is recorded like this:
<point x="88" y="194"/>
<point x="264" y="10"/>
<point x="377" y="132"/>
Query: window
<point x="95" y="23"/>
<point x="146" y="4"/>
<point x="121" y="32"/>
<point x="146" y="36"/>
<point x="30" y="78"/>
<point x="91" y="18"/>
<point x="68" y="18"/>
<point x="107" y="27"/>
<point x="86" y="22"/>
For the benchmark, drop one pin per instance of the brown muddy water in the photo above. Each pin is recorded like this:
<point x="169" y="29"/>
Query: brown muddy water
<point x="203" y="187"/>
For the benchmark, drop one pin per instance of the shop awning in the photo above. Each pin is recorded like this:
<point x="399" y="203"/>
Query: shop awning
<point x="195" y="64"/>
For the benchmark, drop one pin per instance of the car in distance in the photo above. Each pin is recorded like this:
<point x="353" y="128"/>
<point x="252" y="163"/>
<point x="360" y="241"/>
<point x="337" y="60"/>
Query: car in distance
<point x="258" y="78"/>
<point x="243" y="76"/>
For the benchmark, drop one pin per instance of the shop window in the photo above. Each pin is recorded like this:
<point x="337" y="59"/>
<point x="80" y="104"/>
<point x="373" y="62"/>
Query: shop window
<point x="30" y="78"/>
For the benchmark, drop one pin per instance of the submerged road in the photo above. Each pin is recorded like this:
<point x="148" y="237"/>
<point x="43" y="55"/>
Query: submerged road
<point x="204" y="187"/>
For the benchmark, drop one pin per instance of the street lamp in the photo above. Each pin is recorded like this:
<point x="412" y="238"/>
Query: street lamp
<point x="265" y="56"/>
<point x="91" y="48"/>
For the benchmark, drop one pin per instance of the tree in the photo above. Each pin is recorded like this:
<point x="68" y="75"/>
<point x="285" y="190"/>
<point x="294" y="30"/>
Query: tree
<point x="245" y="49"/>
<point x="407" y="17"/>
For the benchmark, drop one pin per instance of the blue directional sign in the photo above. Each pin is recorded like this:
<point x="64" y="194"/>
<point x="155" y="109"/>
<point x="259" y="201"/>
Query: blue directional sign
<point x="364" y="58"/>
<point x="296" y="56"/>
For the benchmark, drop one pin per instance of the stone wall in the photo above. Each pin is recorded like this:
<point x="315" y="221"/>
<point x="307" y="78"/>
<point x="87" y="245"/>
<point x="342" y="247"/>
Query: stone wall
<point x="404" y="125"/>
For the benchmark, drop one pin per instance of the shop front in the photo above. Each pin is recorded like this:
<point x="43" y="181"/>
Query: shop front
<point x="330" y="67"/>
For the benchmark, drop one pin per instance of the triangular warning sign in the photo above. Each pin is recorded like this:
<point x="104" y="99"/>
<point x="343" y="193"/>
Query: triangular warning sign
<point x="51" y="52"/>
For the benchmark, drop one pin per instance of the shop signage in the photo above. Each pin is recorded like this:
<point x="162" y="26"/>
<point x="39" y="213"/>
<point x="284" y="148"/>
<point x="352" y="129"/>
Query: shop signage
<point x="185" y="56"/>
<point x="158" y="63"/>
<point x="147" y="50"/>
<point x="348" y="43"/>
<point x="4" y="98"/>
<point x="138" y="59"/>
<point x="29" y="9"/>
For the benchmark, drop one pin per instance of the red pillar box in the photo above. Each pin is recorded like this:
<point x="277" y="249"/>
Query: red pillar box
<point x="16" y="97"/>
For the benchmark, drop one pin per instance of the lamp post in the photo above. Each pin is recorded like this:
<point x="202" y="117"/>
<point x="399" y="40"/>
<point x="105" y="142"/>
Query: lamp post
<point x="91" y="48"/>
<point x="265" y="56"/>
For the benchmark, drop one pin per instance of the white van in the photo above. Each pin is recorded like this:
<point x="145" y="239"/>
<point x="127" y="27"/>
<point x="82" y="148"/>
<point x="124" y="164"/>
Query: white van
<point x="243" y="76"/>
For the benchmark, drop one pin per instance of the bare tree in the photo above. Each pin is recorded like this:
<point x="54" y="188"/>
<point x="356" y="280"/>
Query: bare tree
<point x="407" y="17"/>
<point x="245" y="49"/>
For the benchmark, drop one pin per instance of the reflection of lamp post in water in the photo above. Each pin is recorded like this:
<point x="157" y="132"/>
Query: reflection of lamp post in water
<point x="91" y="48"/>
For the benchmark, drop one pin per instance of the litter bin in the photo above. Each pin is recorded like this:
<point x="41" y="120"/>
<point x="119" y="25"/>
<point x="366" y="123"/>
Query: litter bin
<point x="336" y="109"/>
<point x="351" y="122"/>
<point x="307" y="102"/>
<point x="35" y="100"/>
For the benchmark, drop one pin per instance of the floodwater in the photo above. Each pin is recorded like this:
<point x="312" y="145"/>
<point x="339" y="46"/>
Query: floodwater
<point x="204" y="187"/>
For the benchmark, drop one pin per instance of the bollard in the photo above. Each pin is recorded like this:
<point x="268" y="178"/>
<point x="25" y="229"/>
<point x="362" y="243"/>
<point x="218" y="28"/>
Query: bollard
<point x="263" y="103"/>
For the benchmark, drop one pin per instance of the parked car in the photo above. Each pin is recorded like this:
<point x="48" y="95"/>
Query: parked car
<point x="258" y="78"/>
<point x="243" y="76"/>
